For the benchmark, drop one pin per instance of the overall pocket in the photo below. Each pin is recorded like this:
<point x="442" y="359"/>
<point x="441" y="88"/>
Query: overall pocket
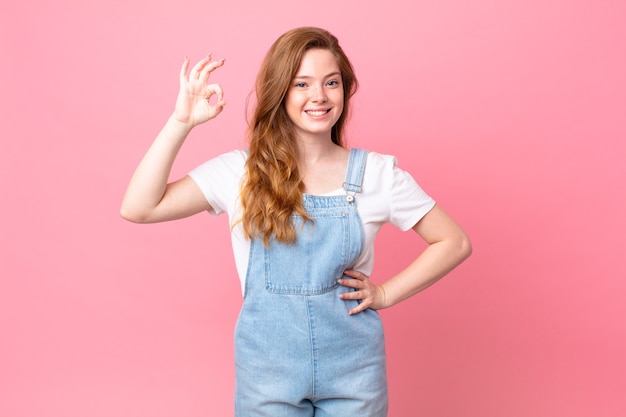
<point x="315" y="262"/>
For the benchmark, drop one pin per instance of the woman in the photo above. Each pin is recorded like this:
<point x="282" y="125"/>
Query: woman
<point x="305" y="211"/>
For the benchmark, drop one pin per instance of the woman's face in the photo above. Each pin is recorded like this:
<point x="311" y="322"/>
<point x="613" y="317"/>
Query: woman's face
<point x="314" y="101"/>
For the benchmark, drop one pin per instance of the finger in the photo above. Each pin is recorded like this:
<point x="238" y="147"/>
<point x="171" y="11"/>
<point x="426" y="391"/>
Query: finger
<point x="355" y="274"/>
<point x="352" y="283"/>
<point x="356" y="310"/>
<point x="197" y="69"/>
<point x="351" y="295"/>
<point x="220" y="94"/>
<point x="219" y="107"/>
<point x="215" y="89"/>
<point x="206" y="71"/>
<point x="355" y="295"/>
<point x="183" y="70"/>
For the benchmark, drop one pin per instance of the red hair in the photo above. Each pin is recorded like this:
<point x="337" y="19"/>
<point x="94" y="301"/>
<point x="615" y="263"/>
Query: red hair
<point x="272" y="191"/>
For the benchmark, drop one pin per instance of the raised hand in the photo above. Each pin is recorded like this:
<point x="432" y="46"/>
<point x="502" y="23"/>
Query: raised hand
<point x="193" y="104"/>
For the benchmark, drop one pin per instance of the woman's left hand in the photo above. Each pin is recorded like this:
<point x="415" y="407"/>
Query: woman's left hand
<point x="371" y="295"/>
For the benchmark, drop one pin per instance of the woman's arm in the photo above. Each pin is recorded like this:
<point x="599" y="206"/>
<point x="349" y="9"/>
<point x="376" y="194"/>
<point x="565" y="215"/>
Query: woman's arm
<point x="448" y="246"/>
<point x="149" y="198"/>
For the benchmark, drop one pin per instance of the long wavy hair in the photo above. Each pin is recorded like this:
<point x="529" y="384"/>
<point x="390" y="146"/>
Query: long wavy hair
<point x="272" y="190"/>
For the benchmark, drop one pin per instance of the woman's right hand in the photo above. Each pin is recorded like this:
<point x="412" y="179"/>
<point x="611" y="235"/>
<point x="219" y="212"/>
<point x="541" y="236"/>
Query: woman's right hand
<point x="193" y="105"/>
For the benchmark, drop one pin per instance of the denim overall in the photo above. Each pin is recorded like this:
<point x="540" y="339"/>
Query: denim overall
<point x="297" y="351"/>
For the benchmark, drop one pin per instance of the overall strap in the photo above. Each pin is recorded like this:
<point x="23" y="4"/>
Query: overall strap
<point x="356" y="170"/>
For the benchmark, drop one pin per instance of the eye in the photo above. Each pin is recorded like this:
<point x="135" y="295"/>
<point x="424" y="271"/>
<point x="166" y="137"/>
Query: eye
<point x="300" y="84"/>
<point x="333" y="83"/>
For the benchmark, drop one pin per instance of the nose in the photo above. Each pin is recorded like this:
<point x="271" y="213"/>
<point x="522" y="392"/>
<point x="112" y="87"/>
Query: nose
<point x="318" y="94"/>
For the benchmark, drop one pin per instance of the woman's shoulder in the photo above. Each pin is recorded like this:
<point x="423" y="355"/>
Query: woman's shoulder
<point x="235" y="156"/>
<point x="233" y="160"/>
<point x="378" y="160"/>
<point x="228" y="164"/>
<point x="384" y="169"/>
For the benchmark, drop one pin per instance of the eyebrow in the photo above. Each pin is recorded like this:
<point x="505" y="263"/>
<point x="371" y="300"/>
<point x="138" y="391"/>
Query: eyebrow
<point x="332" y="74"/>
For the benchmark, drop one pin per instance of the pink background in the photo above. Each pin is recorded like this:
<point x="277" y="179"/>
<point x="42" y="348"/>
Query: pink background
<point x="510" y="113"/>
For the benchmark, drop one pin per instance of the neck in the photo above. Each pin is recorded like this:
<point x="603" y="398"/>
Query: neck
<point x="312" y="151"/>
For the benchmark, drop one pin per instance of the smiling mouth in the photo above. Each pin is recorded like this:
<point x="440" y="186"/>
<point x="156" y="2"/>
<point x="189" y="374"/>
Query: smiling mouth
<point x="316" y="113"/>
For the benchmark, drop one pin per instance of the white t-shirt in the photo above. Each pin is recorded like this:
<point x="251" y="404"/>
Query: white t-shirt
<point x="390" y="195"/>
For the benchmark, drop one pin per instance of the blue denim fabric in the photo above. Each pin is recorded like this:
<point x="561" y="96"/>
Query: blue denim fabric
<point x="297" y="351"/>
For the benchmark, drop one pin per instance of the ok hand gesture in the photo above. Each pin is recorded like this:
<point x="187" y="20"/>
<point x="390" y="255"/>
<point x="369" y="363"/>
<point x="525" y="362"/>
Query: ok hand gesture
<point x="193" y="103"/>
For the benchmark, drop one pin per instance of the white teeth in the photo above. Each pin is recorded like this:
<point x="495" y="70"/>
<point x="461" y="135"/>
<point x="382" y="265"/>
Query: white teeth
<point x="316" y="112"/>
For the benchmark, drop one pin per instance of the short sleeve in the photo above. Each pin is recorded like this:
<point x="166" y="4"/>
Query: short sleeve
<point x="219" y="180"/>
<point x="409" y="202"/>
